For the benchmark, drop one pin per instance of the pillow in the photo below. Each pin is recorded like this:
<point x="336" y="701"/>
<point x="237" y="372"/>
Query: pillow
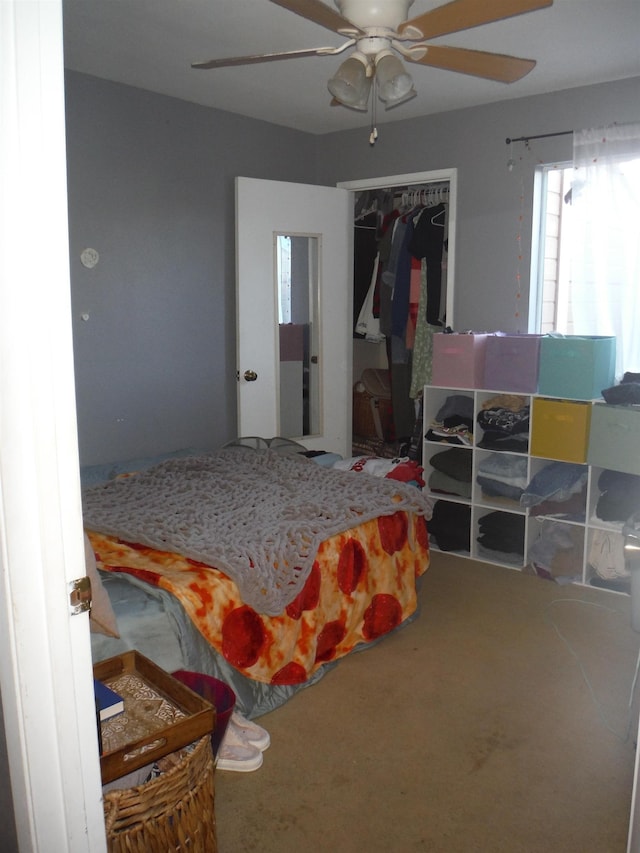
<point x="94" y="475"/>
<point x="102" y="618"/>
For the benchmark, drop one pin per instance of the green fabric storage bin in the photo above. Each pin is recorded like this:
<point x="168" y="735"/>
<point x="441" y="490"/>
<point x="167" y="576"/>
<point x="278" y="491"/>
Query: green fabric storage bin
<point x="576" y="367"/>
<point x="614" y="438"/>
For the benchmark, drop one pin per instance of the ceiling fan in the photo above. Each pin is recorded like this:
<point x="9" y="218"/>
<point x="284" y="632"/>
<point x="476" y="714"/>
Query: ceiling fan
<point x="379" y="29"/>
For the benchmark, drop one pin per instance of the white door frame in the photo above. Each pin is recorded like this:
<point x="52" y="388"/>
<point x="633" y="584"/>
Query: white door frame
<point x="416" y="179"/>
<point x="45" y="666"/>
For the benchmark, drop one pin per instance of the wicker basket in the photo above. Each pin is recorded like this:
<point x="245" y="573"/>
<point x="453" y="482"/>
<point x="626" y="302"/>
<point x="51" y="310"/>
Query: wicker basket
<point x="173" y="812"/>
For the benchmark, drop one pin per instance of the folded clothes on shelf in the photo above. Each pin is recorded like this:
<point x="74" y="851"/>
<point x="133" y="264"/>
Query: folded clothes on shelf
<point x="557" y="481"/>
<point x="450" y="526"/>
<point x="502" y="531"/>
<point x="504" y="421"/>
<point x="619" y="495"/>
<point x="502" y="475"/>
<point x="453" y="422"/>
<point x="455" y="463"/>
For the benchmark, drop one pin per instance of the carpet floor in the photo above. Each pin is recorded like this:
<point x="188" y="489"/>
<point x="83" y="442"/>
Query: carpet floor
<point x="501" y="719"/>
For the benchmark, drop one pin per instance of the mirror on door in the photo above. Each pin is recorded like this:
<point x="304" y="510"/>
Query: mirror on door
<point x="297" y="279"/>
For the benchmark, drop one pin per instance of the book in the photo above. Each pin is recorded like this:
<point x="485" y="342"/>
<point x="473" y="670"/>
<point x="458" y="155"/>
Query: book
<point x="109" y="703"/>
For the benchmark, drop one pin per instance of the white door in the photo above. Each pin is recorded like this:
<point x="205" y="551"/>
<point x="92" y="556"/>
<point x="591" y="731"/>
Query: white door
<point x="264" y="210"/>
<point x="45" y="666"/>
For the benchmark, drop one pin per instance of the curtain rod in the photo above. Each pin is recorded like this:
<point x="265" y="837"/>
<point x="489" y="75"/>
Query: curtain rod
<point x="508" y="140"/>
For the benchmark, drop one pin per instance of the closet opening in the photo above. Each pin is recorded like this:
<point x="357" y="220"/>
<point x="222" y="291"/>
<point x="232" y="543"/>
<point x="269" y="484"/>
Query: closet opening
<point x="403" y="293"/>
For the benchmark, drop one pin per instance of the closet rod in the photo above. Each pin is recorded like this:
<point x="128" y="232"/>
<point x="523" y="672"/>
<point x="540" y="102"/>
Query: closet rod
<point x="434" y="188"/>
<point x="508" y="140"/>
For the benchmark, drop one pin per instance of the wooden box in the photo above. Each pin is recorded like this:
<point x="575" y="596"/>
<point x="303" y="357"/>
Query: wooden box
<point x="161" y="715"/>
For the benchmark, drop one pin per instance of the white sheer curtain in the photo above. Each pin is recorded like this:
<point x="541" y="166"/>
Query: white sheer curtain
<point x="605" y="264"/>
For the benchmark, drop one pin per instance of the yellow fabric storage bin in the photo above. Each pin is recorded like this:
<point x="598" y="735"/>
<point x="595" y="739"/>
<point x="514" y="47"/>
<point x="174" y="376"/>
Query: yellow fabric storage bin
<point x="560" y="429"/>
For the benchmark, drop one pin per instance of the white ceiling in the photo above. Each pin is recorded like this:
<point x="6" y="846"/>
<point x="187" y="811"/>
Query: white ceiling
<point x="152" y="43"/>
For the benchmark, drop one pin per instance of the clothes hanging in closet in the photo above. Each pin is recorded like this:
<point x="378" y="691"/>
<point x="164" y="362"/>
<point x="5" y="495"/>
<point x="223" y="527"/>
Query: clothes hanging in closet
<point x="427" y="243"/>
<point x="368" y="323"/>
<point x="365" y="250"/>
<point x="399" y="258"/>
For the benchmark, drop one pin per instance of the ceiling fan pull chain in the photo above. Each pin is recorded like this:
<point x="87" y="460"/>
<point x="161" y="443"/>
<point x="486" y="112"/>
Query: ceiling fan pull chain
<point x="374" y="130"/>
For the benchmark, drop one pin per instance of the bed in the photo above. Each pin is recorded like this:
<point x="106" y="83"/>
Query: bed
<point x="257" y="564"/>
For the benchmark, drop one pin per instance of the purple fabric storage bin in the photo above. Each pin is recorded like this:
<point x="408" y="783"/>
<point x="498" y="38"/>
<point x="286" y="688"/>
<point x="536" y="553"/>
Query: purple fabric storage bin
<point x="512" y="363"/>
<point x="458" y="360"/>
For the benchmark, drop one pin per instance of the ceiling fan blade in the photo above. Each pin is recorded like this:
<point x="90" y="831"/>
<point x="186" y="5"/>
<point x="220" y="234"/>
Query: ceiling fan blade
<point x="478" y="63"/>
<point x="465" y="14"/>
<point x="319" y="13"/>
<point x="260" y="57"/>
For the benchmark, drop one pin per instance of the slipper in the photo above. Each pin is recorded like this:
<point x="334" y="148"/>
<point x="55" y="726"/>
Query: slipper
<point x="235" y="753"/>
<point x="249" y="731"/>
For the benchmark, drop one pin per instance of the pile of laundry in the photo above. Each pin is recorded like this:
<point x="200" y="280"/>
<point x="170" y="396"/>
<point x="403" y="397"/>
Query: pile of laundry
<point x="558" y="489"/>
<point x="557" y="551"/>
<point x="626" y="392"/>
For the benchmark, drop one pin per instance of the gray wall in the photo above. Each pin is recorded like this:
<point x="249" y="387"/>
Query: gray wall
<point x="151" y="188"/>
<point x="490" y="197"/>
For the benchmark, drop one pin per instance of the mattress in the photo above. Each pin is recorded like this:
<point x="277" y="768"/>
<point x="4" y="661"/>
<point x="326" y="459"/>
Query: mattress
<point x="184" y="614"/>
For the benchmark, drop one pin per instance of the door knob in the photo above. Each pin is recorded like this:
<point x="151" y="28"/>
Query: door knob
<point x="250" y="375"/>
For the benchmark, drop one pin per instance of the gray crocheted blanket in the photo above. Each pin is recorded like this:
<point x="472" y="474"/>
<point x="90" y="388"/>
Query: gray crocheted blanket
<point x="257" y="516"/>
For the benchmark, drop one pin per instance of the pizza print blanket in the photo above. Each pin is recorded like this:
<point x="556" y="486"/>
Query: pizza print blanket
<point x="361" y="587"/>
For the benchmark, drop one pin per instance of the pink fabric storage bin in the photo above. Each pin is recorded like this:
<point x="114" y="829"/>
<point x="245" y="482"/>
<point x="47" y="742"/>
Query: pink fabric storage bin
<point x="458" y="360"/>
<point x="511" y="363"/>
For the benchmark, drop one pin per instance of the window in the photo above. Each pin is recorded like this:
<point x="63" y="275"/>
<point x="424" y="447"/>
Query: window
<point x="551" y="307"/>
<point x="586" y="254"/>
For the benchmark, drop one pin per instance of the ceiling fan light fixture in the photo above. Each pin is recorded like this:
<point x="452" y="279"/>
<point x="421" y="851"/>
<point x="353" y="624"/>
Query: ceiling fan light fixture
<point x="395" y="84"/>
<point x="351" y="83"/>
<point x="391" y="104"/>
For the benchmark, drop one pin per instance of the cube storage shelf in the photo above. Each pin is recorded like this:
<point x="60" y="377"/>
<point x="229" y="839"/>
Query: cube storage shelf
<point x="546" y="445"/>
